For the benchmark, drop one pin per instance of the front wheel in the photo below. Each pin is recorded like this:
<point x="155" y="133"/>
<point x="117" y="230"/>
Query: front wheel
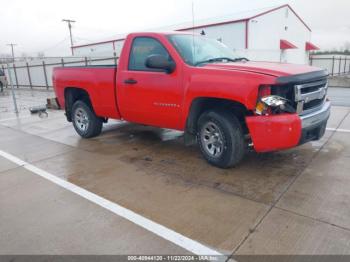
<point x="220" y="138"/>
<point x="85" y="122"/>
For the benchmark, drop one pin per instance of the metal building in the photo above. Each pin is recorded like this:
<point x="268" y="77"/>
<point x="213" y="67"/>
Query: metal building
<point x="272" y="34"/>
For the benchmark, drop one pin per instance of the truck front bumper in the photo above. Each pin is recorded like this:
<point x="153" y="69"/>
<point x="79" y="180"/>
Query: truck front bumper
<point x="278" y="132"/>
<point x="314" y="124"/>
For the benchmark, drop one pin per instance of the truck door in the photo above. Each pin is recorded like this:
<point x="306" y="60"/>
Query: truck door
<point x="146" y="95"/>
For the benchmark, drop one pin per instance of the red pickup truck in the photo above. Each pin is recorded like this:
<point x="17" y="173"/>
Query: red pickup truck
<point x="197" y="85"/>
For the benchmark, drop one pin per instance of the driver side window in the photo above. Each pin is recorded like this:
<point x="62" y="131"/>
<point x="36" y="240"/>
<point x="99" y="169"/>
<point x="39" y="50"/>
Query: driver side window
<point x="143" y="47"/>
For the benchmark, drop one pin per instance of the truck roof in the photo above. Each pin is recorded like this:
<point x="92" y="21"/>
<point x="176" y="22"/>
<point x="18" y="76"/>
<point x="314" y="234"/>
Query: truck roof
<point x="162" y="33"/>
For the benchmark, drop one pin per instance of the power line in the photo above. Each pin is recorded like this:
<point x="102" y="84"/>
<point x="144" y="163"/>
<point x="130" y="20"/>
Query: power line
<point x="84" y="39"/>
<point x="33" y="53"/>
<point x="54" y="46"/>
<point x="69" y="22"/>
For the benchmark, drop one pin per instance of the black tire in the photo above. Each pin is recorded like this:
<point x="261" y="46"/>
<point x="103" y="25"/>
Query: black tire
<point x="85" y="122"/>
<point x="229" y="138"/>
<point x="1" y="87"/>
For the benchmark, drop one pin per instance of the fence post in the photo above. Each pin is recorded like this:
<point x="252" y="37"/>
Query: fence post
<point x="339" y="72"/>
<point x="345" y="66"/>
<point x="3" y="70"/>
<point x="311" y="60"/>
<point x="86" y="61"/>
<point x="62" y="62"/>
<point x="45" y="75"/>
<point x="333" y="65"/>
<point x="15" y="71"/>
<point x="115" y="58"/>
<point x="29" y="77"/>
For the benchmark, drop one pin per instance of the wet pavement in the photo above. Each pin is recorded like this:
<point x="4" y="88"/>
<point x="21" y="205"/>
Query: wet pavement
<point x="42" y="218"/>
<point x="289" y="202"/>
<point x="340" y="95"/>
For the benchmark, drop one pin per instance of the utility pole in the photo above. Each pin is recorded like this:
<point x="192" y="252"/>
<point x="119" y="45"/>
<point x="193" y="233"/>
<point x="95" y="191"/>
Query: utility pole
<point x="69" y="21"/>
<point x="12" y="49"/>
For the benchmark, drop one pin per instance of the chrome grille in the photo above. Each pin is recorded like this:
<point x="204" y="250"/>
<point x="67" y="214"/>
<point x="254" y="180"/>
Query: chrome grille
<point x="310" y="96"/>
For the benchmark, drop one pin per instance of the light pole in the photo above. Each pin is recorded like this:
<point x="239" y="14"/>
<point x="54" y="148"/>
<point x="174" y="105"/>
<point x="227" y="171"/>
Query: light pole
<point x="10" y="77"/>
<point x="69" y="22"/>
<point x="12" y="88"/>
<point x="12" y="50"/>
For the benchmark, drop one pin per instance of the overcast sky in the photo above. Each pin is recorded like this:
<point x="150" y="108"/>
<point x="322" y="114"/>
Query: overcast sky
<point x="35" y="25"/>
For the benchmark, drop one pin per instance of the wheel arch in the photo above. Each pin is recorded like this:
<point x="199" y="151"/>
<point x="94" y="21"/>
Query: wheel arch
<point x="201" y="104"/>
<point x="73" y="94"/>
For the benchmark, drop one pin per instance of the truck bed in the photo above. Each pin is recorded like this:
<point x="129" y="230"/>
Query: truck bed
<point x="97" y="80"/>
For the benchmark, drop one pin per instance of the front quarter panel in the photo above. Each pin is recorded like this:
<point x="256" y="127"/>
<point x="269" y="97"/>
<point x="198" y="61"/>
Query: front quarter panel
<point x="234" y="85"/>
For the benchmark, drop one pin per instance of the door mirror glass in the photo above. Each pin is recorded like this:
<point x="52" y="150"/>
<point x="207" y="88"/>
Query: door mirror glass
<point x="160" y="62"/>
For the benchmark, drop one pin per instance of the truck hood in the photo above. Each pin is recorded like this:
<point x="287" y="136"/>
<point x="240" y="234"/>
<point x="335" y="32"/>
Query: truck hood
<point x="267" y="68"/>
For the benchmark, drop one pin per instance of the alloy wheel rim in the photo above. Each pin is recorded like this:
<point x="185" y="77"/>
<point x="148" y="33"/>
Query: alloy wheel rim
<point x="212" y="139"/>
<point x="81" y="119"/>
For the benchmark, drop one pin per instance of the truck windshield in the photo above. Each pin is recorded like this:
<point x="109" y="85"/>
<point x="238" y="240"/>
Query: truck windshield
<point x="196" y="50"/>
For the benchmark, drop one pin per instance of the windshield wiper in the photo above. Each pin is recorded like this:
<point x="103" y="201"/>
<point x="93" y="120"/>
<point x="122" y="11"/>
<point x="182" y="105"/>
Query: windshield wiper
<point x="217" y="59"/>
<point x="212" y="60"/>
<point x="240" y="59"/>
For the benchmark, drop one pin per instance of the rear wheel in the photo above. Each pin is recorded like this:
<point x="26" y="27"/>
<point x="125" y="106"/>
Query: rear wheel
<point x="85" y="122"/>
<point x="220" y="138"/>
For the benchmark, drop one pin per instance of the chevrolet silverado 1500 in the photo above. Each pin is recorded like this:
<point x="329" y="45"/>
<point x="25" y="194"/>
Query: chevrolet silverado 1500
<point x="197" y="85"/>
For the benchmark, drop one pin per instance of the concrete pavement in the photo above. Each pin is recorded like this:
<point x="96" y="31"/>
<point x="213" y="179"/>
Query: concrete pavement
<point x="40" y="218"/>
<point x="340" y="96"/>
<point x="290" y="202"/>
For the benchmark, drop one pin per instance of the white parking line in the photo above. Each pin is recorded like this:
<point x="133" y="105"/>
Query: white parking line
<point x="339" y="130"/>
<point x="161" y="231"/>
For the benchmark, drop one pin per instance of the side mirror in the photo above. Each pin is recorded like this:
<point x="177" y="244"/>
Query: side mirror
<point x="160" y="62"/>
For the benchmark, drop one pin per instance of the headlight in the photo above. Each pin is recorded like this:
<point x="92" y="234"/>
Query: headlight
<point x="274" y="101"/>
<point x="273" y="104"/>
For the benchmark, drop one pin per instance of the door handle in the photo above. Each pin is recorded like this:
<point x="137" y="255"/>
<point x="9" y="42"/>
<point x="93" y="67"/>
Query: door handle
<point x="130" y="81"/>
